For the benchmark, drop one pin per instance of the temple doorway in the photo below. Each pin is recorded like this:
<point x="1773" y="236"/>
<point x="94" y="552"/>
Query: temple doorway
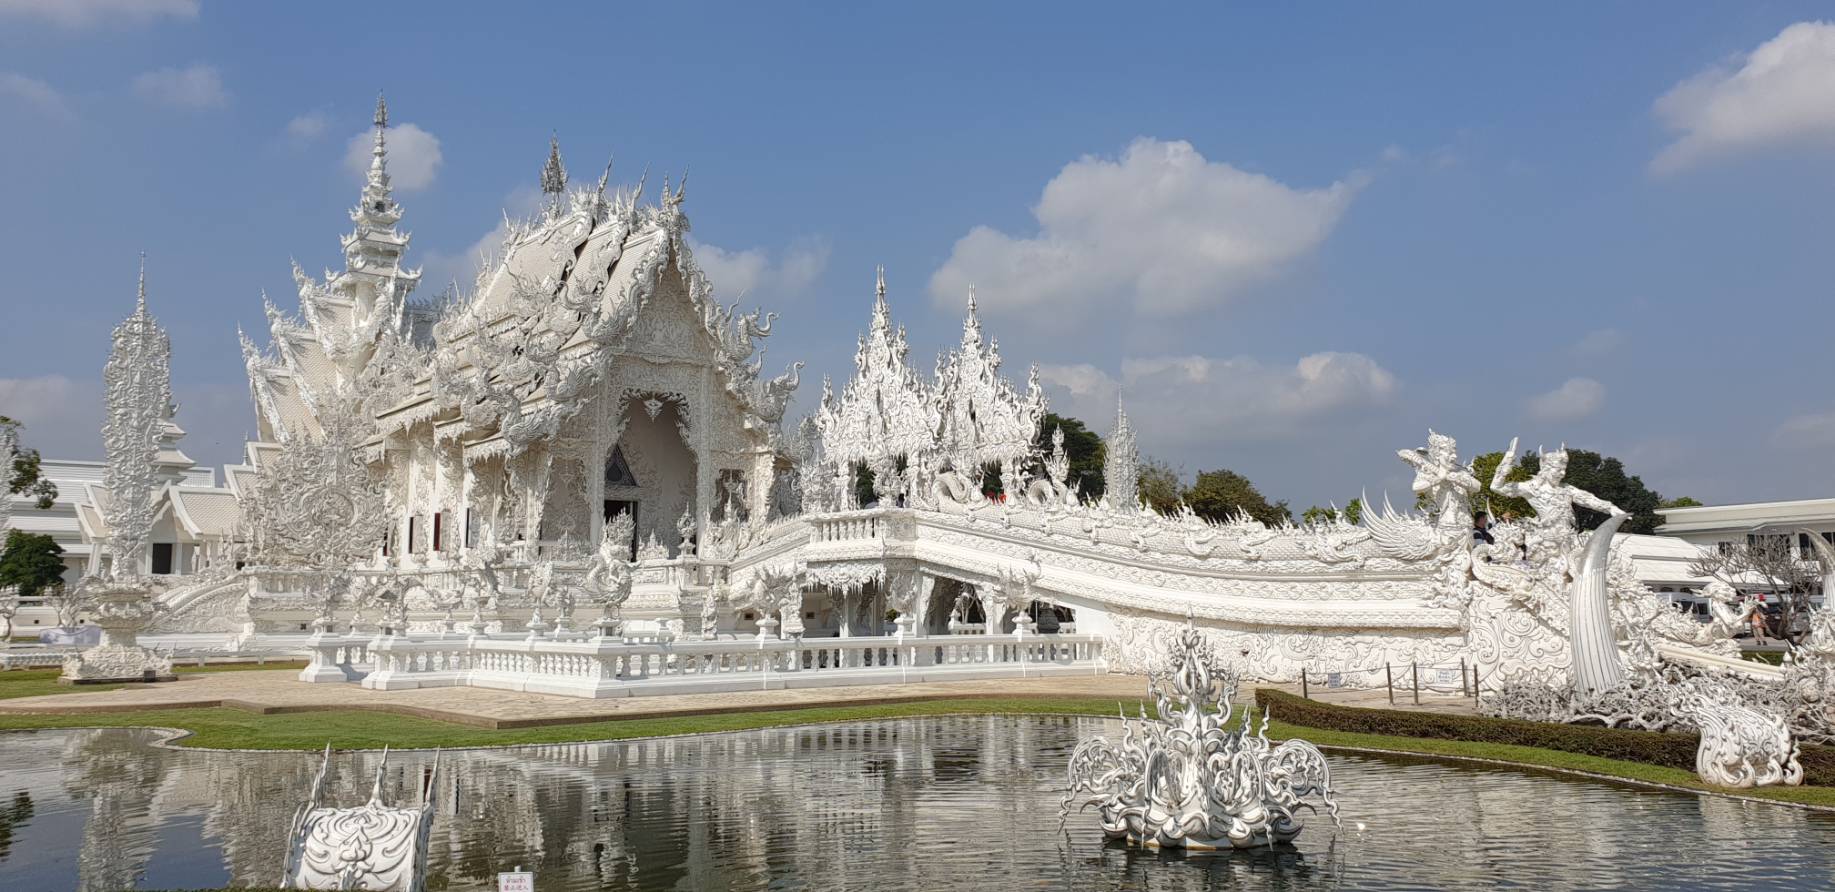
<point x="651" y="471"/>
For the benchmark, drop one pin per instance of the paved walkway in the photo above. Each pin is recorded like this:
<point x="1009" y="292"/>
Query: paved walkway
<point x="1378" y="698"/>
<point x="279" y="692"/>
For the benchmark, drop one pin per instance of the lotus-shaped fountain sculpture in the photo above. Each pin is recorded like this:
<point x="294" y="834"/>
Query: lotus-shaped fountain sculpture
<point x="1185" y="779"/>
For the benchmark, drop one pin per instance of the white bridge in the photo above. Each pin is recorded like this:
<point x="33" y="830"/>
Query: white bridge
<point x="599" y="667"/>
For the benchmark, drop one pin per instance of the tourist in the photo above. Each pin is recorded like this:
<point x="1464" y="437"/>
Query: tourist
<point x="1481" y="529"/>
<point x="1758" y="622"/>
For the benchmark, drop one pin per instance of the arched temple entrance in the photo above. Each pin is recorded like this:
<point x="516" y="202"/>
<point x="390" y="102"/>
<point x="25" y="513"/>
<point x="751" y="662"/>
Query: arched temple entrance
<point x="650" y="471"/>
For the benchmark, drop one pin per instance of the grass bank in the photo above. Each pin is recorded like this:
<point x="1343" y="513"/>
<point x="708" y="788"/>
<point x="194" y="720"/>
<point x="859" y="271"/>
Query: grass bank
<point x="225" y="728"/>
<point x="1645" y="756"/>
<point x="15" y="683"/>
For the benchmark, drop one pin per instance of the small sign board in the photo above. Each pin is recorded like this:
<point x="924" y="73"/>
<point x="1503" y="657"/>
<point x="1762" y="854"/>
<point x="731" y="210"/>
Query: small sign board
<point x="517" y="880"/>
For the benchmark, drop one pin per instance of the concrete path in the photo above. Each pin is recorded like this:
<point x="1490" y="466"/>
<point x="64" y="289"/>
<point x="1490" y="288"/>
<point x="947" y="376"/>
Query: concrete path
<point x="1378" y="698"/>
<point x="278" y="692"/>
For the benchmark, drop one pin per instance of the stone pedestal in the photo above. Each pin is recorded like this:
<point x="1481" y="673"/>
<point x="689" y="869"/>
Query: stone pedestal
<point x="122" y="607"/>
<point x="609" y="627"/>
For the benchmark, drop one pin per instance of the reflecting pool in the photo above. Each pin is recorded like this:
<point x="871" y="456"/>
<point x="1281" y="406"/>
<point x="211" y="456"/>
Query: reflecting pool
<point x="963" y="803"/>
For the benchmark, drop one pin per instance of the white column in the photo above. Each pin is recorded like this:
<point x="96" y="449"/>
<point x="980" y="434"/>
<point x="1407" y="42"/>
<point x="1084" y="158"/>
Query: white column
<point x="704" y="472"/>
<point x="926" y="587"/>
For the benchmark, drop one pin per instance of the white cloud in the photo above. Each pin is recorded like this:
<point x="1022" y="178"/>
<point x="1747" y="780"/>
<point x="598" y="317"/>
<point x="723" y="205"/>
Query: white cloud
<point x="309" y="126"/>
<point x="62" y="418"/>
<point x="1598" y="342"/>
<point x="1573" y="400"/>
<point x="35" y="93"/>
<point x="1160" y="228"/>
<point x="90" y="13"/>
<point x="1778" y="94"/>
<point x="1809" y="430"/>
<point x="196" y="86"/>
<point x="1188" y="400"/>
<point x="441" y="268"/>
<point x="736" y="273"/>
<point x="414" y="156"/>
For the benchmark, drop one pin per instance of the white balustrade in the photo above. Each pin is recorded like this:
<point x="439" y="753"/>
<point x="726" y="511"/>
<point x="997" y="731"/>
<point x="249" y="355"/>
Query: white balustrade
<point x="600" y="668"/>
<point x="853" y="526"/>
<point x="336" y="658"/>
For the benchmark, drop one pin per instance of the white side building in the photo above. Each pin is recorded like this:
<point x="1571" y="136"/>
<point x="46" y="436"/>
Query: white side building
<point x="1722" y="526"/>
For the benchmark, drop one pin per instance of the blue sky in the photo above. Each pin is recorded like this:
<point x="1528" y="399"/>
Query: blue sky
<point x="1293" y="239"/>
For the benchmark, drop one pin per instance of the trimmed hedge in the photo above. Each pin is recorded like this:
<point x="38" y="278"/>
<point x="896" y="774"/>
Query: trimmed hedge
<point x="1670" y="750"/>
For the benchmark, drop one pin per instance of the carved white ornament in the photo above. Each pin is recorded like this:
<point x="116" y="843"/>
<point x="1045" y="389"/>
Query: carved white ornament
<point x="138" y="385"/>
<point x="374" y="847"/>
<point x="1185" y="779"/>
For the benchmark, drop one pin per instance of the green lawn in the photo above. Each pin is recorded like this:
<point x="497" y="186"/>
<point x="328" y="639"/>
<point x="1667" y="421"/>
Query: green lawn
<point x="359" y="729"/>
<point x="34" y="682"/>
<point x="1543" y="758"/>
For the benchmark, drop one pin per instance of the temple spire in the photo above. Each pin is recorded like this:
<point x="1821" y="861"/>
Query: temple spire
<point x="882" y="311"/>
<point x="1121" y="463"/>
<point x="554" y="175"/>
<point x="376" y="197"/>
<point x="140" y="303"/>
<point x="971" y="324"/>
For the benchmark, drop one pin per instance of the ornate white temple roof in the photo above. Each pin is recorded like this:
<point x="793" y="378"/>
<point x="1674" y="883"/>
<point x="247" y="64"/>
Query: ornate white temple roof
<point x="966" y="417"/>
<point x="885" y="409"/>
<point x="314" y="362"/>
<point x="205" y="513"/>
<point x="558" y="307"/>
<point x="982" y="417"/>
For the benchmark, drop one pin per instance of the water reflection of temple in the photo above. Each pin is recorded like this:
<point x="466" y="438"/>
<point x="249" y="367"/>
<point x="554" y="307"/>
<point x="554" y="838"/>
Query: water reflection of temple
<point x="921" y="804"/>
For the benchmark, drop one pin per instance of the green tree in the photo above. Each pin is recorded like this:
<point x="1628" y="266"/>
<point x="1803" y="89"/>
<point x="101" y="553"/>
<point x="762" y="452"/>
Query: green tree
<point x="1485" y="499"/>
<point x="1680" y="502"/>
<point x="1159" y="485"/>
<point x="1219" y="494"/>
<point x="32" y="562"/>
<point x="26" y="477"/>
<point x="1605" y="477"/>
<point x="1351" y="513"/>
<point x="863" y="485"/>
<point x="1601" y="475"/>
<point x="1082" y="446"/>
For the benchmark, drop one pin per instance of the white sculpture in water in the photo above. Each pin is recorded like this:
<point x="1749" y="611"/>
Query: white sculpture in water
<point x="1184" y="780"/>
<point x="373" y="847"/>
<point x="1742" y="747"/>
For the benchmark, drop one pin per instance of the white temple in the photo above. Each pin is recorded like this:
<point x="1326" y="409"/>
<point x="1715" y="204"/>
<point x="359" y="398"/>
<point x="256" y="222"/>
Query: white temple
<point x="586" y="423"/>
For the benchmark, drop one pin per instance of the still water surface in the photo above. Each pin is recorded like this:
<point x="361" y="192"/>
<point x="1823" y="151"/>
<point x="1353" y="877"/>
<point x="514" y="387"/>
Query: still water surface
<point x="967" y="804"/>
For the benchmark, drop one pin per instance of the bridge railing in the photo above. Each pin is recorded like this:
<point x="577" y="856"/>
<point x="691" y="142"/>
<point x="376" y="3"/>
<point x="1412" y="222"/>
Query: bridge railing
<point x="853" y="526"/>
<point x="611" y="667"/>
